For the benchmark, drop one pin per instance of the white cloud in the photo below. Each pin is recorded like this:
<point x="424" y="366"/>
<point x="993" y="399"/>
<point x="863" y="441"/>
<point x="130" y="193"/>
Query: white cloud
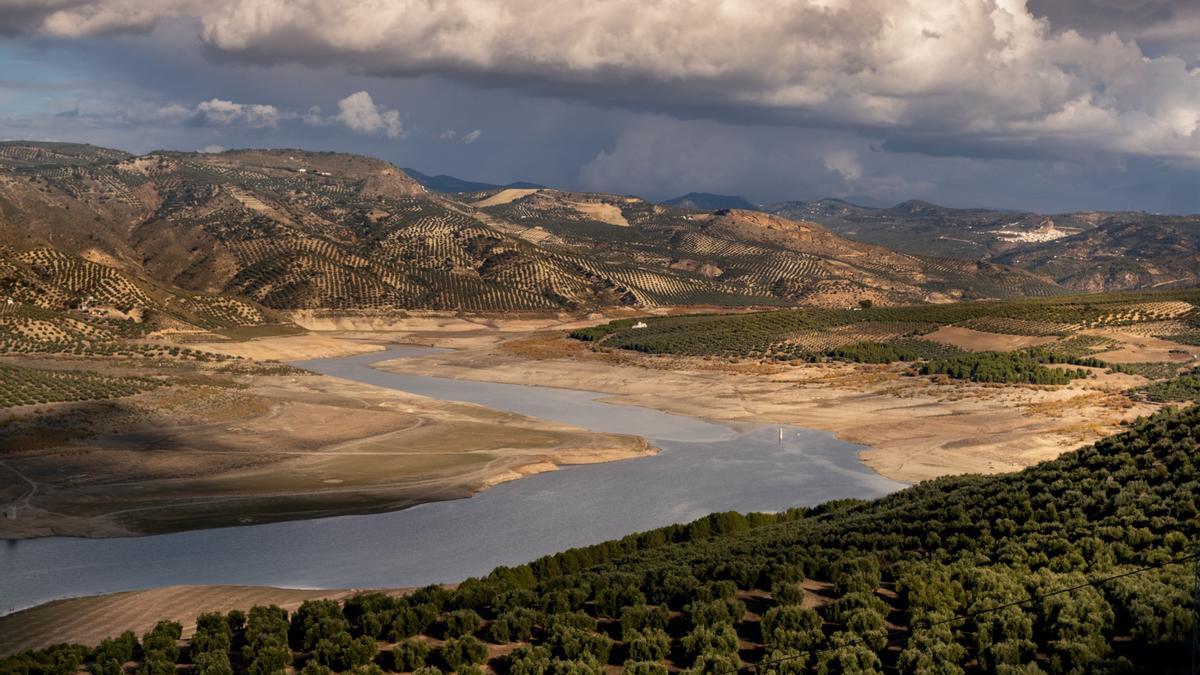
<point x="471" y="136"/>
<point x="359" y="113"/>
<point x="952" y="73"/>
<point x="227" y="113"/>
<point x="314" y="117"/>
<point x="844" y="163"/>
<point x="214" y="112"/>
<point x="213" y="149"/>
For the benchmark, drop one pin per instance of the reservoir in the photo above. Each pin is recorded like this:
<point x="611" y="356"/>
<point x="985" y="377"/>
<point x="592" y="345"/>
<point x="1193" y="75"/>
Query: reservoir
<point x="704" y="467"/>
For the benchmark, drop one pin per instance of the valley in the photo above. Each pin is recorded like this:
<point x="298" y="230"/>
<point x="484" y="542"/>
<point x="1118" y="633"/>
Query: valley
<point x="450" y="337"/>
<point x="210" y="359"/>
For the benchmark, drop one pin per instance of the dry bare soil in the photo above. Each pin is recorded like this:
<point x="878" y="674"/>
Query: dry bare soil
<point x="914" y="428"/>
<point x="92" y="619"/>
<point x="249" y="448"/>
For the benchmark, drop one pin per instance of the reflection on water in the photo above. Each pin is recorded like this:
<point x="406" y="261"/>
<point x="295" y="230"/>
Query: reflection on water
<point x="704" y="467"/>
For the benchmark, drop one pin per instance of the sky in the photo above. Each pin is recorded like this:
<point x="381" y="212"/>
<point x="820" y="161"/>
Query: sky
<point x="1046" y="105"/>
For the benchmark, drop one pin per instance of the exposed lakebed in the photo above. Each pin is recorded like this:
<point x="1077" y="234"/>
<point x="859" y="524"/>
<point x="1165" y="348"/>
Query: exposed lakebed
<point x="704" y="467"/>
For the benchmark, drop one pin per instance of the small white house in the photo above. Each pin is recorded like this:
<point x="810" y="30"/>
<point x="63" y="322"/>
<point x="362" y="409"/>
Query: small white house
<point x="640" y="324"/>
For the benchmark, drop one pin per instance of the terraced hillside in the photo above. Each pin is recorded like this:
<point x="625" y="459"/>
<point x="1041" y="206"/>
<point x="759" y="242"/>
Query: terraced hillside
<point x="1122" y="252"/>
<point x="1087" y="252"/>
<point x="53" y="302"/>
<point x="291" y="229"/>
<point x="767" y="258"/>
<point x="1073" y="325"/>
<point x="919" y="226"/>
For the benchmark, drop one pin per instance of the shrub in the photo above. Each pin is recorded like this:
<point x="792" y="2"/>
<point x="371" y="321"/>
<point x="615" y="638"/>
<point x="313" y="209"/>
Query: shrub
<point x="640" y="617"/>
<point x="644" y="668"/>
<point x="528" y="660"/>
<point x="462" y="622"/>
<point x="410" y="654"/>
<point x="464" y="651"/>
<point x="652" y="644"/>
<point x="787" y="593"/>
<point x="514" y="625"/>
<point x="720" y="639"/>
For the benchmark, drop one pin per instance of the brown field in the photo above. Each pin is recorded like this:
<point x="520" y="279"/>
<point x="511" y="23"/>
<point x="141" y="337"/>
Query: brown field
<point x="1137" y="348"/>
<point x="971" y="340"/>
<point x="260" y="448"/>
<point x="915" y="428"/>
<point x="504" y="197"/>
<point x="91" y="619"/>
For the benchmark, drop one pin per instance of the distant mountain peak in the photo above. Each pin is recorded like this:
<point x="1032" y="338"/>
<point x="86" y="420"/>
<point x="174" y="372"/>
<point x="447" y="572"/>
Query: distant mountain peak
<point x="707" y="201"/>
<point x="453" y="185"/>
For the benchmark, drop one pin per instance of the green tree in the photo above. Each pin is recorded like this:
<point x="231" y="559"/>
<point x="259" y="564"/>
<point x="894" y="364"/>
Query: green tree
<point x="637" y="618"/>
<point x="528" y="660"/>
<point x="721" y="639"/>
<point x="410" y="654"/>
<point x="463" y="651"/>
<point x="341" y="652"/>
<point x="514" y="625"/>
<point x="652" y="644"/>
<point x="848" y="656"/>
<point x="792" y="627"/>
<point x="212" y="663"/>
<point x="644" y="668"/>
<point x="787" y="593"/>
<point x="462" y="622"/>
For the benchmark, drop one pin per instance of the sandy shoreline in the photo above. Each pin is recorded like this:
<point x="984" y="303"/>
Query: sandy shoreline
<point x="274" y="448"/>
<point x="272" y="455"/>
<point x="914" y="429"/>
<point x="90" y="619"/>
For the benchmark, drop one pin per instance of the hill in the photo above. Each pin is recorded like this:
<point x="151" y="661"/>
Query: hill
<point x="452" y="185"/>
<point x="764" y="259"/>
<point x="1068" y="327"/>
<point x="290" y="229"/>
<point x="1124" y="251"/>
<point x="1078" y="565"/>
<point x="1087" y="252"/>
<point x="705" y="201"/>
<point x="919" y="226"/>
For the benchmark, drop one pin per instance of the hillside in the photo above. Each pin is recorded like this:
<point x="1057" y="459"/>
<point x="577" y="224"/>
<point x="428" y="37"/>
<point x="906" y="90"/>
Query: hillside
<point x="919" y="226"/>
<point x="766" y="259"/>
<point x="290" y="229"/>
<point x="706" y="201"/>
<point x="1086" y="252"/>
<point x="1078" y="565"/>
<point x="451" y="184"/>
<point x="1121" y="252"/>
<point x="1070" y="326"/>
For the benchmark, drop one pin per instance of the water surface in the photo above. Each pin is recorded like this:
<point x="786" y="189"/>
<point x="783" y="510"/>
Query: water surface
<point x="704" y="467"/>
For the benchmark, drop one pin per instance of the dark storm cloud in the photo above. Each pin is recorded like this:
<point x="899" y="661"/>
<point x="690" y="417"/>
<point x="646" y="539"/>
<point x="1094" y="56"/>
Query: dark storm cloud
<point x="984" y="70"/>
<point x="963" y="101"/>
<point x="1159" y="26"/>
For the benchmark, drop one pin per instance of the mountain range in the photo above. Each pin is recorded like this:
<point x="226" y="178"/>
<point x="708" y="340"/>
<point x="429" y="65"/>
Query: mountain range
<point x="238" y="235"/>
<point x="452" y="185"/>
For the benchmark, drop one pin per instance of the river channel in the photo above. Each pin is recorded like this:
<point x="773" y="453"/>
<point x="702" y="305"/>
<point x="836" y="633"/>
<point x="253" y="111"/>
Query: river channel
<point x="704" y="466"/>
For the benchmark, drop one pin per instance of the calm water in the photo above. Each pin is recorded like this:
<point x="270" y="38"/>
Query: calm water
<point x="704" y="467"/>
